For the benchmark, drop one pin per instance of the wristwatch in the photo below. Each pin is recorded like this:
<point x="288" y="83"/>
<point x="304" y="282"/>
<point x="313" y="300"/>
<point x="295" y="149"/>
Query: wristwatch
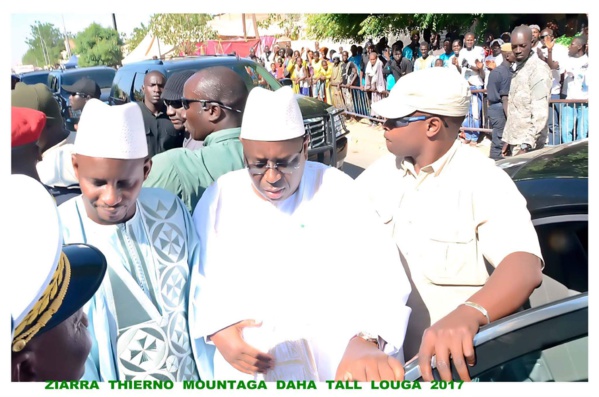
<point x="377" y="340"/>
<point x="525" y="147"/>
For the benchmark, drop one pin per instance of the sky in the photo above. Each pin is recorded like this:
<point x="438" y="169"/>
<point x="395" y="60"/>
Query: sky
<point x="73" y="23"/>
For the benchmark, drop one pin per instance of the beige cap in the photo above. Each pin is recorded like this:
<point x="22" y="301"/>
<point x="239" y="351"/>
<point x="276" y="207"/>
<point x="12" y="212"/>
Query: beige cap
<point x="441" y="91"/>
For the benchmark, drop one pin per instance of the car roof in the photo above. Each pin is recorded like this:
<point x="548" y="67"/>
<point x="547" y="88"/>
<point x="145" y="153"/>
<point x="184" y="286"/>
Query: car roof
<point x="553" y="180"/>
<point x="81" y="70"/>
<point x="185" y="62"/>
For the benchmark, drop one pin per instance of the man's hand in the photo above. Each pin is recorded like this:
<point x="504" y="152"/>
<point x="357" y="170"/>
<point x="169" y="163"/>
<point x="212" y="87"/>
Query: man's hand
<point x="363" y="361"/>
<point x="450" y="339"/>
<point x="243" y="357"/>
<point x="454" y="61"/>
<point x="505" y="151"/>
<point x="549" y="43"/>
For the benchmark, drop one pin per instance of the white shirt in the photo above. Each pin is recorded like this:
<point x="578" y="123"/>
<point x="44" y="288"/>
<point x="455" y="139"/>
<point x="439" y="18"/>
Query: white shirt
<point x="559" y="54"/>
<point x="471" y="56"/>
<point x="491" y="58"/>
<point x="316" y="268"/>
<point x="576" y="85"/>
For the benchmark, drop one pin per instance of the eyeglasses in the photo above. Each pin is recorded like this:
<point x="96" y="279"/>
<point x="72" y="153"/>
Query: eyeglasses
<point x="175" y="104"/>
<point x="80" y="94"/>
<point x="404" y="121"/>
<point x="187" y="102"/>
<point x="545" y="35"/>
<point x="286" y="167"/>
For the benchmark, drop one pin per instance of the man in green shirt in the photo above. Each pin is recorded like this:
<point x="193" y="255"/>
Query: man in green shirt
<point x="213" y="99"/>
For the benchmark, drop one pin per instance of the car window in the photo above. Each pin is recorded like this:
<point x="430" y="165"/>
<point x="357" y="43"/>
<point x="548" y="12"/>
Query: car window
<point x="255" y="75"/>
<point x="564" y="246"/>
<point x="35" y="78"/>
<point x="121" y="88"/>
<point x="138" y="94"/>
<point x="566" y="362"/>
<point x="102" y="77"/>
<point x="53" y="82"/>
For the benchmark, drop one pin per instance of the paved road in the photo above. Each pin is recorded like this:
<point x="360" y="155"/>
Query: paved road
<point x="366" y="145"/>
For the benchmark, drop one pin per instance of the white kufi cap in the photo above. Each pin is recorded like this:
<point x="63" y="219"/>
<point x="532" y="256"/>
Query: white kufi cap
<point x="440" y="91"/>
<point x="113" y="132"/>
<point x="285" y="121"/>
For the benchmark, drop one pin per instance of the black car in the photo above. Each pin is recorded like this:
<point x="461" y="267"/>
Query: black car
<point x="102" y="75"/>
<point x="548" y="340"/>
<point x="40" y="76"/>
<point x="323" y="122"/>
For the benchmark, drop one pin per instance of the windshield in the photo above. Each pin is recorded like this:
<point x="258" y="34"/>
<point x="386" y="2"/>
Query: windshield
<point x="102" y="77"/>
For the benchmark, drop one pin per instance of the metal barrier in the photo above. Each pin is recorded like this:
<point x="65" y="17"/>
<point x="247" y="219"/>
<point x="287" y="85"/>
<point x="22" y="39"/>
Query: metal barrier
<point x="568" y="119"/>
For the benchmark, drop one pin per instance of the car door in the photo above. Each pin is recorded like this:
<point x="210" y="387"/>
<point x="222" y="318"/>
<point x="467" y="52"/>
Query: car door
<point x="544" y="344"/>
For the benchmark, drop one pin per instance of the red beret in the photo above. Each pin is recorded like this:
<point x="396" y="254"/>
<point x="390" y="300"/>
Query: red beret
<point x="27" y="125"/>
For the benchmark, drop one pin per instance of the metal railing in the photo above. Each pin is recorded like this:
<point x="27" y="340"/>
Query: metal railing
<point x="567" y="121"/>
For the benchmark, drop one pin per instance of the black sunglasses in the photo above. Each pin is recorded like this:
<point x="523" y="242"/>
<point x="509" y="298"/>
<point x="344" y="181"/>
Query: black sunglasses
<point x="187" y="102"/>
<point x="174" y="103"/>
<point x="80" y="94"/>
<point x="404" y="121"/>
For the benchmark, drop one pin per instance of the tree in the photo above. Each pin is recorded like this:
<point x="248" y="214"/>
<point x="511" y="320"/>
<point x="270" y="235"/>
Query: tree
<point x="182" y="31"/>
<point x="288" y="22"/>
<point x="138" y="34"/>
<point x="98" y="45"/>
<point x="45" y="45"/>
<point x="357" y="27"/>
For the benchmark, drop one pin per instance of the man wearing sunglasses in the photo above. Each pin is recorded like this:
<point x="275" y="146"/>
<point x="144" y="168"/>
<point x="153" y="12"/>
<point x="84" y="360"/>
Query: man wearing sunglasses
<point x="212" y="107"/>
<point x="450" y="211"/>
<point x="171" y="96"/>
<point x="281" y="302"/>
<point x="82" y="91"/>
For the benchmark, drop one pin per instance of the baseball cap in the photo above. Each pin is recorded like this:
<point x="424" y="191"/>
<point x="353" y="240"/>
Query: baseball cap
<point x="498" y="41"/>
<point x="85" y="86"/>
<point x="440" y="91"/>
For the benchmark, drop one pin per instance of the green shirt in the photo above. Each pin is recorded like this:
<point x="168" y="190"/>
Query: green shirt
<point x="188" y="173"/>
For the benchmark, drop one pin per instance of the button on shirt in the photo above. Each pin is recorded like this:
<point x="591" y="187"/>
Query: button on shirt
<point x="446" y="225"/>
<point x="161" y="134"/>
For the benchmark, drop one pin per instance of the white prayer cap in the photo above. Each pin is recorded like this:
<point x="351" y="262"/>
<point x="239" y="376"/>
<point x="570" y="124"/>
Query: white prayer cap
<point x="113" y="132"/>
<point x="34" y="240"/>
<point x="285" y="121"/>
<point x="441" y="91"/>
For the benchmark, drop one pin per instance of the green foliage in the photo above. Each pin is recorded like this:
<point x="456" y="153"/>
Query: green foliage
<point x="182" y="30"/>
<point x="98" y="45"/>
<point x="138" y="34"/>
<point x="565" y="40"/>
<point x="358" y="27"/>
<point x="45" y="44"/>
<point x="288" y="22"/>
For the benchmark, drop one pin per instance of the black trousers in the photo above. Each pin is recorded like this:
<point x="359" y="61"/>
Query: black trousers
<point x="497" y="120"/>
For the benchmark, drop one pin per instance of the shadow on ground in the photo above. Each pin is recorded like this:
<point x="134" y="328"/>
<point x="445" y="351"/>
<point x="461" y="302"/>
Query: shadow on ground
<point x="352" y="170"/>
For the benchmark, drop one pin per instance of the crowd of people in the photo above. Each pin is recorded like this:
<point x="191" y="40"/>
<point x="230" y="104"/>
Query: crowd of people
<point x="216" y="257"/>
<point x="344" y="78"/>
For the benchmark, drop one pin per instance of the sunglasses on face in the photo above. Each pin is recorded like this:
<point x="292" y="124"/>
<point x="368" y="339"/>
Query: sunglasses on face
<point x="404" y="121"/>
<point x="545" y="35"/>
<point x="79" y="94"/>
<point x="187" y="103"/>
<point x="284" y="167"/>
<point x="175" y="103"/>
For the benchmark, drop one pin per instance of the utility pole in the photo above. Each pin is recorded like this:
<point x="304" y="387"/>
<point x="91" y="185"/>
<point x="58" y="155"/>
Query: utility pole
<point x="43" y="44"/>
<point x="114" y="23"/>
<point x="67" y="42"/>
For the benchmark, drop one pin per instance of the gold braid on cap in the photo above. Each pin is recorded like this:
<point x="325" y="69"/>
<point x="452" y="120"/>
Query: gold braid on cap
<point x="46" y="306"/>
